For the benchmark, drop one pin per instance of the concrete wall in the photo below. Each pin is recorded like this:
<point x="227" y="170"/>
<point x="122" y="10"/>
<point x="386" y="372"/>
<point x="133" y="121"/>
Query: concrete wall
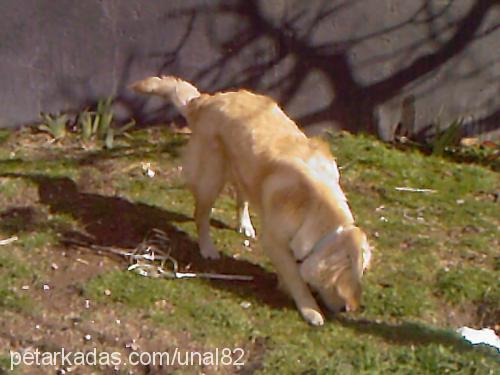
<point x="355" y="64"/>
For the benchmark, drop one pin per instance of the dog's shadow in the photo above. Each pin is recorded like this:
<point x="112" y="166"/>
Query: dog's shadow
<point x="116" y="222"/>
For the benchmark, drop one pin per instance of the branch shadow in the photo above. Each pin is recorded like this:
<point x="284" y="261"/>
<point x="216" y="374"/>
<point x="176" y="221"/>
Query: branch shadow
<point x="280" y="53"/>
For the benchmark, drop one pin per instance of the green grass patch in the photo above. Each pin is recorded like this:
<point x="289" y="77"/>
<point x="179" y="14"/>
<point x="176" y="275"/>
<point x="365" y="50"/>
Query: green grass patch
<point x="12" y="273"/>
<point x="5" y="364"/>
<point x="407" y="295"/>
<point x="213" y="317"/>
<point x="459" y="285"/>
<point x="37" y="240"/>
<point x="127" y="288"/>
<point x="4" y="135"/>
<point x="212" y="320"/>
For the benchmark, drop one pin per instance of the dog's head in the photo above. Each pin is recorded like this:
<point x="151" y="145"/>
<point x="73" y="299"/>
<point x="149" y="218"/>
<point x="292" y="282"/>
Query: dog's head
<point x="335" y="268"/>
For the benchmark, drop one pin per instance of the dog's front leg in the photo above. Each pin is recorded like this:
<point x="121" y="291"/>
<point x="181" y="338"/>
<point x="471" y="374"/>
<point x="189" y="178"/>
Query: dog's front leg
<point x="246" y="226"/>
<point x="288" y="273"/>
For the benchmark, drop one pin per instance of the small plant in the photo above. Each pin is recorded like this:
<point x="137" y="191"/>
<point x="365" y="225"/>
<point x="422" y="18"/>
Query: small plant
<point x="85" y="123"/>
<point x="55" y="125"/>
<point x="104" y="117"/>
<point x="447" y="138"/>
<point x="98" y="125"/>
<point x="112" y="133"/>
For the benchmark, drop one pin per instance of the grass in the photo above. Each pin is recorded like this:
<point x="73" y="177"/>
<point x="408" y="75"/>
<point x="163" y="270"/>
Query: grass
<point x="479" y="287"/>
<point x="12" y="273"/>
<point x="436" y="255"/>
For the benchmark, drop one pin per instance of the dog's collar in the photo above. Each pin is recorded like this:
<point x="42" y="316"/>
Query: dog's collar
<point x="330" y="236"/>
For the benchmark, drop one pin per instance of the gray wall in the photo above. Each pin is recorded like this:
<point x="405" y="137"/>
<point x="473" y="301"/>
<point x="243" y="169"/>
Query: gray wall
<point x="355" y="64"/>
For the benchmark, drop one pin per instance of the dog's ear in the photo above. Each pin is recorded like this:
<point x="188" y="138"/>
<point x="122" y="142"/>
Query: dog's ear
<point x="335" y="269"/>
<point x="327" y="262"/>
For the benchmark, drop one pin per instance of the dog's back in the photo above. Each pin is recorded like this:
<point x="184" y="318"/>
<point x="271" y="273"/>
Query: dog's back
<point x="258" y="138"/>
<point x="246" y="116"/>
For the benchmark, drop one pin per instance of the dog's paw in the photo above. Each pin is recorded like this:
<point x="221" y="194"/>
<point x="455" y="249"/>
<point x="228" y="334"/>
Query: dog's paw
<point x="209" y="252"/>
<point x="312" y="316"/>
<point x="247" y="230"/>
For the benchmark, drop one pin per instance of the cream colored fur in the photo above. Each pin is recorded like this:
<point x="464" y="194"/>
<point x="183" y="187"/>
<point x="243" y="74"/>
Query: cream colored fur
<point x="291" y="181"/>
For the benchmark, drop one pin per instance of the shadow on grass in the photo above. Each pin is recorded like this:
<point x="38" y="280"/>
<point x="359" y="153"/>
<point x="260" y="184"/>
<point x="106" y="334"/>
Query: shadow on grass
<point x="117" y="222"/>
<point x="114" y="221"/>
<point x="412" y="333"/>
<point x="138" y="148"/>
<point x="487" y="155"/>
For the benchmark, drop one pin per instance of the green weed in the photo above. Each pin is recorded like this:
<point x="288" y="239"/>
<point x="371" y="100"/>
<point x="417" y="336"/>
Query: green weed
<point x="97" y="126"/>
<point x="55" y="125"/>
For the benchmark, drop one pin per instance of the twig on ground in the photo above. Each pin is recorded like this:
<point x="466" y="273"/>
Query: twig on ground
<point x="82" y="261"/>
<point x="151" y="258"/>
<point x="8" y="240"/>
<point x="414" y="190"/>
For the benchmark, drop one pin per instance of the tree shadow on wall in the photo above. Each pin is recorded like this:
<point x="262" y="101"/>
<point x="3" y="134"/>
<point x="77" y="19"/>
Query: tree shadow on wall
<point x="278" y="54"/>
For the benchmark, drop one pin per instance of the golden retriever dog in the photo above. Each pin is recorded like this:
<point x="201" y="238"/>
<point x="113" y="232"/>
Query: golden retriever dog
<point x="291" y="181"/>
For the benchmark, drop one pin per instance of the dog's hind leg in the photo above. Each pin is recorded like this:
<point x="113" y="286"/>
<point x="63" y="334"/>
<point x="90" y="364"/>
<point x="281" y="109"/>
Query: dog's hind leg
<point x="289" y="274"/>
<point x="205" y="177"/>
<point x="245" y="223"/>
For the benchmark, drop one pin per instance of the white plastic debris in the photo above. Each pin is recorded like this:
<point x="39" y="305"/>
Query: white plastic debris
<point x="480" y="336"/>
<point x="146" y="168"/>
<point x="8" y="240"/>
<point x="132" y="345"/>
<point x="245" y="305"/>
<point x="246" y="243"/>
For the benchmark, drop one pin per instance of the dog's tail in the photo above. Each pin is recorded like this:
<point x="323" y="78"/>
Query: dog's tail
<point x="178" y="91"/>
